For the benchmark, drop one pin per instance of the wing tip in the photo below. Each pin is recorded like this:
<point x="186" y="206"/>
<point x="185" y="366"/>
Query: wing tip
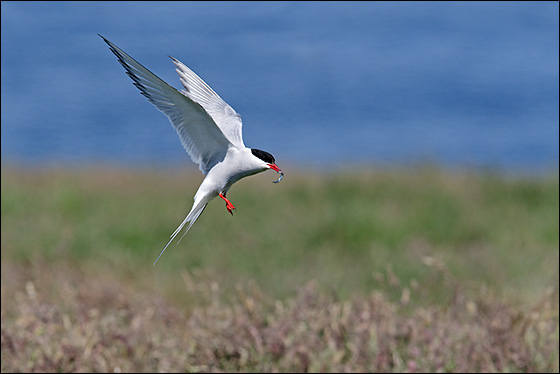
<point x="104" y="39"/>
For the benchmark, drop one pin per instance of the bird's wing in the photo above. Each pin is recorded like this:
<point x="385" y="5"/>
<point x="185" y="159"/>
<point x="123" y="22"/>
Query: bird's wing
<point x="201" y="137"/>
<point x="227" y="119"/>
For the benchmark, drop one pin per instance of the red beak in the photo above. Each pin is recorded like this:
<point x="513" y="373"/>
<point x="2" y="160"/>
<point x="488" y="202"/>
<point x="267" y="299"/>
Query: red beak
<point x="275" y="168"/>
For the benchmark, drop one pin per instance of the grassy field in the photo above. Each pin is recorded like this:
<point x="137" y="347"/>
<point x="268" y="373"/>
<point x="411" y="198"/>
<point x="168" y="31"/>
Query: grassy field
<point x="362" y="270"/>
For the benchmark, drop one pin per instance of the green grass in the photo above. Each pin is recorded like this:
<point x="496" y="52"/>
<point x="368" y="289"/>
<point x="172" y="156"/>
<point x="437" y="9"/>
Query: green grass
<point x="340" y="229"/>
<point x="420" y="237"/>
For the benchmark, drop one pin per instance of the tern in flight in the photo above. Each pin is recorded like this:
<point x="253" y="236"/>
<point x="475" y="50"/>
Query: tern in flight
<point x="209" y="129"/>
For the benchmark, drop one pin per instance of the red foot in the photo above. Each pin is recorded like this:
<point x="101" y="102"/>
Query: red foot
<point x="229" y="205"/>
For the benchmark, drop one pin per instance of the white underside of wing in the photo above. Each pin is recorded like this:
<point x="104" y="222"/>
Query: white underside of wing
<point x="201" y="137"/>
<point x="227" y="119"/>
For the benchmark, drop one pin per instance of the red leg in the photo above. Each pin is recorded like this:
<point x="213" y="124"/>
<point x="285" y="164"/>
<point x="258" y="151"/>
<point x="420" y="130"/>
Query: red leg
<point x="229" y="205"/>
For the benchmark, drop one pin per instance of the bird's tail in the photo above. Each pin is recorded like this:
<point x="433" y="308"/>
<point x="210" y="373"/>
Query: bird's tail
<point x="193" y="215"/>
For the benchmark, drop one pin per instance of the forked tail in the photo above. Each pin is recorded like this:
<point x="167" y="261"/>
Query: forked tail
<point x="193" y="215"/>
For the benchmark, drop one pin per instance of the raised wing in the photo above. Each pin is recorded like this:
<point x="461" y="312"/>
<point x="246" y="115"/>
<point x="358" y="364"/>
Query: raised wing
<point x="225" y="117"/>
<point x="201" y="137"/>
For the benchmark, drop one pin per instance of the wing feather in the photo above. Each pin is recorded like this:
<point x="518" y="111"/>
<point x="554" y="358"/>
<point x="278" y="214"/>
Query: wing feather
<point x="200" y="135"/>
<point x="227" y="119"/>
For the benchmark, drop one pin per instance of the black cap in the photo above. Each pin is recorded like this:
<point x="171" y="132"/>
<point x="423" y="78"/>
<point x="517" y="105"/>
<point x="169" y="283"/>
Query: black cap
<point x="265" y="156"/>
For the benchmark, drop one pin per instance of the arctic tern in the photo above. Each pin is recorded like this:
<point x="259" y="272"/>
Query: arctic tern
<point x="209" y="129"/>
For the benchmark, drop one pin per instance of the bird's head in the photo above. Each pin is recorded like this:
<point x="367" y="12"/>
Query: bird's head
<point x="268" y="159"/>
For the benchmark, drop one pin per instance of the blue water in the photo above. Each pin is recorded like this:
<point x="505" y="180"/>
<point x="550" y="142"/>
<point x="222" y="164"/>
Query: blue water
<point x="317" y="83"/>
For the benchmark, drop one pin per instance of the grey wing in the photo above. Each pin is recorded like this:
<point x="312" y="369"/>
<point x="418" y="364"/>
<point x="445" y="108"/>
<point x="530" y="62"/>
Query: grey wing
<point x="223" y="114"/>
<point x="201" y="137"/>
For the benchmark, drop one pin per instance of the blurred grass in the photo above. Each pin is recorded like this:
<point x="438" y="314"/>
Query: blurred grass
<point x="346" y="230"/>
<point x="363" y="270"/>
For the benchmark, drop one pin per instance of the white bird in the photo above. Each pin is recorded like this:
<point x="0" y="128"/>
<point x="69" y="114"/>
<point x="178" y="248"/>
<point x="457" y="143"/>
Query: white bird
<point x="209" y="129"/>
